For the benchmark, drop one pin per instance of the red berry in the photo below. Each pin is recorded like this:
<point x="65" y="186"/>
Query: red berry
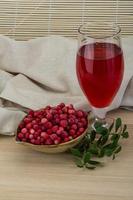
<point x="48" y="125"/>
<point x="71" y="111"/>
<point x="61" y="105"/>
<point x="72" y="132"/>
<point x="64" y="134"/>
<point x="74" y="136"/>
<point x="57" y="141"/>
<point x="21" y="125"/>
<point x="76" y="121"/>
<point x="32" y="131"/>
<point x="20" y="135"/>
<point x="36" y="114"/>
<point x="27" y="120"/>
<point x="78" y="133"/>
<point x="24" y="139"/>
<point x="53" y="136"/>
<point x="57" y="121"/>
<point x="56" y="116"/>
<point x="49" y="141"/>
<point x="71" y="121"/>
<point x="60" y="130"/>
<point x="29" y="126"/>
<point x="81" y="130"/>
<point x="58" y="107"/>
<point x="33" y="122"/>
<point x="35" y="127"/>
<point x="63" y="123"/>
<point x="84" y="121"/>
<point x="31" y="112"/>
<point x="43" y="120"/>
<point x="70" y="137"/>
<point x="65" y="109"/>
<point x="36" y="135"/>
<point x="37" y="142"/>
<point x="38" y="120"/>
<point x="32" y="141"/>
<point x="63" y="116"/>
<point x="74" y="126"/>
<point x="44" y="135"/>
<point x="48" y="107"/>
<point x="27" y="135"/>
<point x="80" y="113"/>
<point x="31" y="136"/>
<point x="70" y="106"/>
<point x="43" y="128"/>
<point x="60" y="112"/>
<point x="66" y="139"/>
<point x="55" y="128"/>
<point x="49" y="131"/>
<point x="71" y="116"/>
<point x="80" y="124"/>
<point x="39" y="131"/>
<point x="42" y="140"/>
<point x="49" y="116"/>
<point x="54" y="111"/>
<point x="24" y="130"/>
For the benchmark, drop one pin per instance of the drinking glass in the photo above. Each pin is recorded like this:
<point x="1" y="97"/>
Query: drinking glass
<point x="99" y="65"/>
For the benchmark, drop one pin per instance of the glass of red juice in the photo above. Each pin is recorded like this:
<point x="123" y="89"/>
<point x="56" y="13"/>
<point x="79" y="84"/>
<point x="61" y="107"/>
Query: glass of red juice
<point x="99" y="65"/>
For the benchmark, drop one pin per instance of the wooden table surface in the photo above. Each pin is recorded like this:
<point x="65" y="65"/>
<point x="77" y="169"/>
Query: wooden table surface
<point x="29" y="175"/>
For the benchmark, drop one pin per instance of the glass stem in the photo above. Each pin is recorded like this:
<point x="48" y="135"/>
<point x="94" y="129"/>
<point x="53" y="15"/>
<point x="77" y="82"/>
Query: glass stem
<point x="99" y="116"/>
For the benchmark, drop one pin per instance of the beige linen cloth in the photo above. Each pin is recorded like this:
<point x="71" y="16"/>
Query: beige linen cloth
<point x="41" y="71"/>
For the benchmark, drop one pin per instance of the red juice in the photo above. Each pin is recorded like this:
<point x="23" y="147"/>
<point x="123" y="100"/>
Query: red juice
<point x="100" y="68"/>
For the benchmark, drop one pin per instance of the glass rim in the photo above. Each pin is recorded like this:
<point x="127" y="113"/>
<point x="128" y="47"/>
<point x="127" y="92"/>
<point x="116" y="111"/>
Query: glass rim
<point x="111" y="25"/>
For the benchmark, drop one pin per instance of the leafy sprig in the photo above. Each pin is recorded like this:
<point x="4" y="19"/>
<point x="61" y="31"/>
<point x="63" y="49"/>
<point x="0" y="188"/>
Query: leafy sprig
<point x="99" y="143"/>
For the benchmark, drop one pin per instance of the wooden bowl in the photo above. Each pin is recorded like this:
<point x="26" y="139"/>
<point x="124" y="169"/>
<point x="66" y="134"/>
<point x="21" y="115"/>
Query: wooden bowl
<point x="54" y="148"/>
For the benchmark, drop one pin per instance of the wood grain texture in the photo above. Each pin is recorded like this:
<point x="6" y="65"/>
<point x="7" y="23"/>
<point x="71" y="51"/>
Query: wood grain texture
<point x="30" y="175"/>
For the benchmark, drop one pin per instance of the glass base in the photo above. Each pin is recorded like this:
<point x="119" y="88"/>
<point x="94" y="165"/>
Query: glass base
<point x="105" y="122"/>
<point x="101" y="121"/>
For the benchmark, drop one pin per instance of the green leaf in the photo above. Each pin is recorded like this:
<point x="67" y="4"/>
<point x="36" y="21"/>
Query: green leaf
<point x="118" y="124"/>
<point x="99" y="141"/>
<point x="97" y="124"/>
<point x="124" y="128"/>
<point x="115" y="138"/>
<point x="87" y="157"/>
<point x="107" y="146"/>
<point x="88" y="166"/>
<point x="101" y="153"/>
<point x="111" y="127"/>
<point x="104" y="139"/>
<point x="118" y="149"/>
<point x="76" y="152"/>
<point x="93" y="149"/>
<point x="94" y="162"/>
<point x="108" y="152"/>
<point x="125" y="135"/>
<point x="92" y="135"/>
<point x="79" y="162"/>
<point x="102" y="130"/>
<point x="113" y="157"/>
<point x="82" y="144"/>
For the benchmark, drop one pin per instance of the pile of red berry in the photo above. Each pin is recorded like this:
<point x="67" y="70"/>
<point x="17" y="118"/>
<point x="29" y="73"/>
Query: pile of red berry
<point x="52" y="125"/>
